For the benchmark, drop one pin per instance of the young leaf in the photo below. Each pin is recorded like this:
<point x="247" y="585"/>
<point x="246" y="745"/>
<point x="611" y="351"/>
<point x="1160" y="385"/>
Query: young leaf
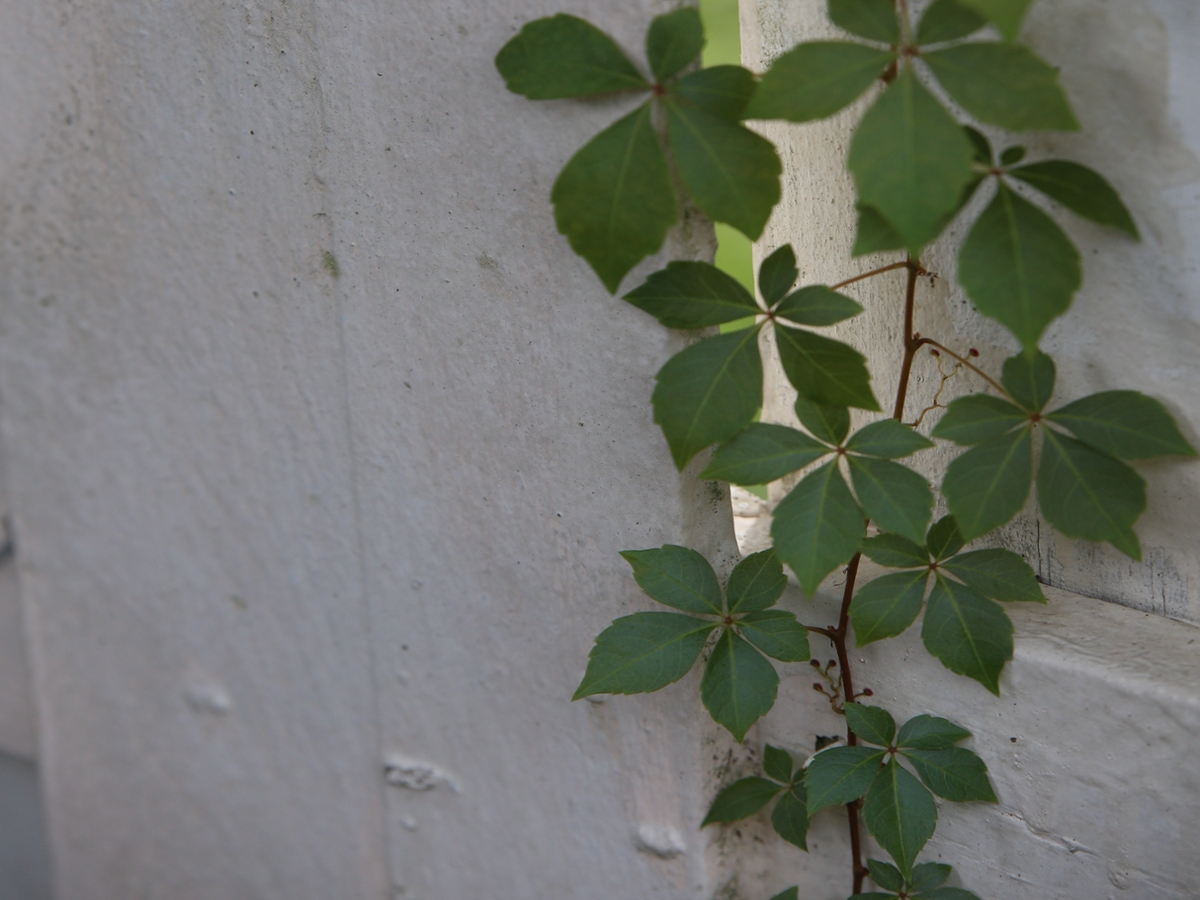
<point x="970" y="634"/>
<point x="731" y="172"/>
<point x="874" y="20"/>
<point x="885" y="607"/>
<point x="1124" y="424"/>
<point x="910" y="160"/>
<point x="614" y="199"/>
<point x="948" y="20"/>
<point x="954" y="773"/>
<point x="643" y="652"/>
<point x="763" y="453"/>
<point x="1029" y="377"/>
<point x="676" y="576"/>
<point x="757" y="582"/>
<point x="1004" y="14"/>
<point x="1087" y="494"/>
<point x="776" y="633"/>
<point x="823" y="370"/>
<point x="873" y="724"/>
<point x="874" y="233"/>
<point x="817" y="305"/>
<point x="900" y="814"/>
<point x="928" y="876"/>
<point x="1018" y="267"/>
<point x="926" y="732"/>
<point x="673" y="41"/>
<point x="840" y="775"/>
<point x="944" y="538"/>
<point x="816" y="79"/>
<point x="692" y="295"/>
<point x="885" y="875"/>
<point x="790" y="818"/>
<point x="1003" y="84"/>
<point x="987" y="485"/>
<point x="564" y="56"/>
<point x="739" y="684"/>
<point x="887" y="439"/>
<point x="777" y="764"/>
<point x="976" y="418"/>
<point x="741" y="800"/>
<point x="896" y="497"/>
<point x="777" y="274"/>
<point x="1079" y="189"/>
<point x="709" y="392"/>
<point x="818" y="526"/>
<point x="895" y="551"/>
<point x="721" y="90"/>
<point x="999" y="574"/>
<point x="827" y="423"/>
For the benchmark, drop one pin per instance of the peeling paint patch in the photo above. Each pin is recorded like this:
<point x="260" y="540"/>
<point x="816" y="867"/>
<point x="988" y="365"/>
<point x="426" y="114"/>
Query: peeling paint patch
<point x="207" y="698"/>
<point x="663" y="841"/>
<point x="414" y="775"/>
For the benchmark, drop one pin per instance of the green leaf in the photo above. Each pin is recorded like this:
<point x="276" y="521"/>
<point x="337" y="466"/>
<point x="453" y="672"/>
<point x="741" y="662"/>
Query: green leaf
<point x="741" y="800"/>
<point x="757" y="582"/>
<point x="721" y="90"/>
<point x="790" y="818"/>
<point x="944" y="538"/>
<point x="977" y="418"/>
<point x="1004" y="14"/>
<point x="840" y="775"/>
<point x="762" y="453"/>
<point x="874" y="233"/>
<point x="739" y="684"/>
<point x="1087" y="494"/>
<point x="692" y="295"/>
<point x="948" y="20"/>
<point x="818" y="526"/>
<point x="873" y="724"/>
<point x="981" y="147"/>
<point x="999" y="574"/>
<point x="564" y="56"/>
<point x="954" y="773"/>
<point x="1018" y="267"/>
<point x="885" y="875"/>
<point x="928" y="876"/>
<point x="643" y="652"/>
<point x="969" y="633"/>
<point x="792" y="893"/>
<point x="731" y="172"/>
<point x="709" y="392"/>
<point x="894" y="496"/>
<point x="676" y="576"/>
<point x="873" y="895"/>
<point x="1011" y="156"/>
<point x="874" y="20"/>
<point x="1079" y="189"/>
<point x="910" y="160"/>
<point x="895" y="551"/>
<point x="1029" y="378"/>
<point x="817" y="305"/>
<point x="926" y="732"/>
<point x="1124" y="424"/>
<point x="885" y="607"/>
<point x="823" y="370"/>
<point x="816" y="79"/>
<point x="778" y="764"/>
<point x="987" y="485"/>
<point x="946" y="893"/>
<point x="673" y="41"/>
<point x="614" y="199"/>
<point x="887" y="439"/>
<point x="1003" y="84"/>
<point x="777" y="274"/>
<point x="900" y="814"/>
<point x="827" y="423"/>
<point x="776" y="633"/>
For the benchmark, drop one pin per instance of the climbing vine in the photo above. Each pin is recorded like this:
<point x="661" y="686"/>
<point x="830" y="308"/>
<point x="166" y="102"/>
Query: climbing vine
<point x="916" y="163"/>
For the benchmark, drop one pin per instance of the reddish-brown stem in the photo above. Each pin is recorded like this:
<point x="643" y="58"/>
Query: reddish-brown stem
<point x="911" y="342"/>
<point x="871" y="274"/>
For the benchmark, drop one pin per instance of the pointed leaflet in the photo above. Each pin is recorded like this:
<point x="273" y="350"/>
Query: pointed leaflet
<point x="827" y="423"/>
<point x="1018" y="267"/>
<point x="614" y="200"/>
<point x="721" y="90"/>
<point x="894" y="496"/>
<point x="778" y="764"/>
<point x="740" y="800"/>
<point x="676" y="576"/>
<point x="874" y="233"/>
<point x="709" y="392"/>
<point x="792" y="893"/>
<point x="817" y="305"/>
<point x="818" y="526"/>
<point x="977" y="418"/>
<point x="1004" y="14"/>
<point x="1124" y="424"/>
<point x="947" y="20"/>
<point x="999" y="574"/>
<point x="823" y="370"/>
<point x="981" y="147"/>
<point x="762" y="453"/>
<point x="871" y="723"/>
<point x="946" y="893"/>
<point x="643" y="652"/>
<point x="692" y="295"/>
<point x="928" y="876"/>
<point x="885" y="607"/>
<point x="910" y="160"/>
<point x="970" y="634"/>
<point x="944" y="538"/>
<point x="757" y="582"/>
<point x="840" y="775"/>
<point x="776" y="633"/>
<point x="954" y="773"/>
<point x="900" y="814"/>
<point x="887" y="439"/>
<point x="777" y="274"/>
<point x="1012" y="155"/>
<point x="673" y="41"/>
<point x="790" y="818"/>
<point x="1087" y="494"/>
<point x="816" y="79"/>
<point x="731" y="172"/>
<point x="885" y="875"/>
<point x="739" y="684"/>
<point x="564" y="56"/>
<point x="895" y="551"/>
<point x="926" y="732"/>
<point x="872" y="19"/>
<point x="987" y="485"/>
<point x="1080" y="190"/>
<point x="1029" y="378"/>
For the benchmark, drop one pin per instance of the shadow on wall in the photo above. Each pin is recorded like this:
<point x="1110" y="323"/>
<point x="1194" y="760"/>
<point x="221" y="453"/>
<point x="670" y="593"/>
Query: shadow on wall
<point x="24" y="858"/>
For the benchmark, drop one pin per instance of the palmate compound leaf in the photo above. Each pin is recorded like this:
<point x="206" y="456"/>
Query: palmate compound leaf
<point x="763" y="453"/>
<point x="874" y="20"/>
<point x="816" y="79"/>
<point x="739" y="684"/>
<point x="871" y="723"/>
<point x="944" y="539"/>
<point x="565" y="56"/>
<point x="678" y="577"/>
<point x="926" y="732"/>
<point x="954" y="773"/>
<point x="1029" y="378"/>
<point x="756" y="583"/>
<point x="614" y="200"/>
<point x="910" y="160"/>
<point x="721" y="90"/>
<point x="778" y="764"/>
<point x="840" y="775"/>
<point x="776" y="633"/>
<point x="643" y="652"/>
<point x="827" y="423"/>
<point x="777" y="274"/>
<point x="709" y="392"/>
<point x="887" y="439"/>
<point x="690" y="294"/>
<point x="817" y="305"/>
<point x="1006" y="15"/>
<point x="977" y="418"/>
<point x="818" y="526"/>
<point x="894" y="496"/>
<point x="790" y="816"/>
<point x="823" y="370"/>
<point x="895" y="551"/>
<point x="740" y="800"/>
<point x="969" y="633"/>
<point x="987" y="485"/>
<point x="1080" y="190"/>
<point x="673" y="41"/>
<point x="1018" y="267"/>
<point x="885" y="607"/>
<point x="996" y="573"/>
<point x="1124" y="424"/>
<point x="900" y="814"/>
<point x="947" y="20"/>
